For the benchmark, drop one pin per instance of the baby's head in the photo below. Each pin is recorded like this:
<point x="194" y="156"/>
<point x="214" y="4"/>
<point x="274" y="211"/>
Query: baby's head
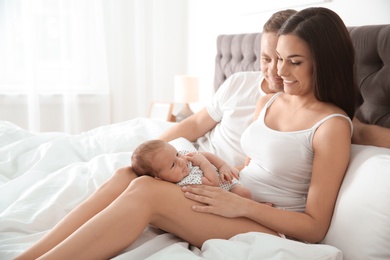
<point x="143" y="155"/>
<point x="160" y="160"/>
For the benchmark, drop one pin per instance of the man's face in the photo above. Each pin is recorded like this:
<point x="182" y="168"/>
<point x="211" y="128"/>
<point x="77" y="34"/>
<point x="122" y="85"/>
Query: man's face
<point x="269" y="61"/>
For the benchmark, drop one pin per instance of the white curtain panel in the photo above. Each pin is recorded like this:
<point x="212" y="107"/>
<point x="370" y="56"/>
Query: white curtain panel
<point x="147" y="43"/>
<point x="71" y="65"/>
<point x="54" y="64"/>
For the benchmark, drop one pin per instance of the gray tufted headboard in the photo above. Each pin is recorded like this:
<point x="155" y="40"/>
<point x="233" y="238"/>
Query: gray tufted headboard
<point x="240" y="52"/>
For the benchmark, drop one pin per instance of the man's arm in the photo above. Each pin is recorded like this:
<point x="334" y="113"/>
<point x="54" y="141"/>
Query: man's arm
<point x="191" y="128"/>
<point x="367" y="134"/>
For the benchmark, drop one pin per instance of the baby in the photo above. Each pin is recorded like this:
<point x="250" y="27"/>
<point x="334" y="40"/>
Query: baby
<point x="161" y="160"/>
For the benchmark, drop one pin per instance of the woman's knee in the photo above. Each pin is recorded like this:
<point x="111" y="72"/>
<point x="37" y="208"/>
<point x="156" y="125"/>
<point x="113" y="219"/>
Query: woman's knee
<point x="144" y="183"/>
<point x="124" y="175"/>
<point x="125" y="172"/>
<point x="150" y="187"/>
<point x="119" y="181"/>
<point x="141" y="193"/>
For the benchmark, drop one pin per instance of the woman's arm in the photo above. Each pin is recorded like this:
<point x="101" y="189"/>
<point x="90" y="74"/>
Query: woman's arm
<point x="191" y="128"/>
<point x="331" y="144"/>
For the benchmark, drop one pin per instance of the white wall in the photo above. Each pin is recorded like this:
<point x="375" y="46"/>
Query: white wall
<point x="209" y="18"/>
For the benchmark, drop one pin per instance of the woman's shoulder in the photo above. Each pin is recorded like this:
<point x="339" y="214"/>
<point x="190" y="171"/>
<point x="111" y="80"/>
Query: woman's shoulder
<point x="336" y="119"/>
<point x="334" y="123"/>
<point x="263" y="101"/>
<point x="333" y="109"/>
<point x="267" y="97"/>
<point x="330" y="111"/>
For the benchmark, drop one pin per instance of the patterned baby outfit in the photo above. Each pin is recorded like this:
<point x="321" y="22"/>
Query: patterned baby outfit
<point x="196" y="174"/>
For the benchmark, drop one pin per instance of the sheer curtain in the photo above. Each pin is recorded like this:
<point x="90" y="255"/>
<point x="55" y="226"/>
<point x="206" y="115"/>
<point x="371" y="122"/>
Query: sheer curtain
<point x="147" y="43"/>
<point x="71" y="65"/>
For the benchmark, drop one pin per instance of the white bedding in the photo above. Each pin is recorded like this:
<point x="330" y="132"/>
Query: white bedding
<point x="45" y="175"/>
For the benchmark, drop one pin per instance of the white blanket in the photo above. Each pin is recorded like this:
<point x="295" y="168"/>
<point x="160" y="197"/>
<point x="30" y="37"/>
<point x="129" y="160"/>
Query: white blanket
<point x="45" y="175"/>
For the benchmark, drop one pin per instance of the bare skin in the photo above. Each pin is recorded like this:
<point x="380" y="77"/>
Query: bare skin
<point x="366" y="134"/>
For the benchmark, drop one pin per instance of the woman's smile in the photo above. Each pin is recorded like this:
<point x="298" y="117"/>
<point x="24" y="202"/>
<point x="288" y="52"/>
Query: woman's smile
<point x="289" y="82"/>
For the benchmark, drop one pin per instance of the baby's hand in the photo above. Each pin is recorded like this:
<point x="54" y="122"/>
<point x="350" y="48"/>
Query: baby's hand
<point x="228" y="173"/>
<point x="196" y="158"/>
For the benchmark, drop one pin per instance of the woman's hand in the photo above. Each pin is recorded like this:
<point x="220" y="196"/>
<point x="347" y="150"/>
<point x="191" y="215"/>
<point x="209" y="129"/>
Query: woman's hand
<point x="217" y="201"/>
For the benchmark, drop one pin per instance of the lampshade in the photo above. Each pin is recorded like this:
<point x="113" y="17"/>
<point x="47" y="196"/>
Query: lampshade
<point x="186" y="89"/>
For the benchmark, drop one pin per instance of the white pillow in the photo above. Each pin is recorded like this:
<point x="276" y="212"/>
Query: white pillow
<point x="360" y="226"/>
<point x="182" y="144"/>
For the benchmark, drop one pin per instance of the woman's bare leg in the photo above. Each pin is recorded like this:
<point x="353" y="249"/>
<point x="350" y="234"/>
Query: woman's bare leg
<point x="147" y="201"/>
<point x="98" y="201"/>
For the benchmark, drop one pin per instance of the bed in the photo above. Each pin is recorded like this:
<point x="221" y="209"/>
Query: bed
<point x="45" y="175"/>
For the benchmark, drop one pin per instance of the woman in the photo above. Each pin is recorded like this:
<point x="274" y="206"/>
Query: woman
<point x="316" y="63"/>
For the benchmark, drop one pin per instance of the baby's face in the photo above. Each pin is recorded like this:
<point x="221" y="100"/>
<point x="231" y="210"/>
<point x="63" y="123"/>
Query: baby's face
<point x="171" y="165"/>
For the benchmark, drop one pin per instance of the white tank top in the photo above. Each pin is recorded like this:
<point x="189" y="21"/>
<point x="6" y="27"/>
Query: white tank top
<point x="281" y="162"/>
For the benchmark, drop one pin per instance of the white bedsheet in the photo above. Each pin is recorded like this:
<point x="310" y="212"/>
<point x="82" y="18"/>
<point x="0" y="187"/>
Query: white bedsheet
<point x="45" y="175"/>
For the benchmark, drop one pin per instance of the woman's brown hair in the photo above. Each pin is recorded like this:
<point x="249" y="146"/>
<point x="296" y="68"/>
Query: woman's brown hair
<point x="333" y="53"/>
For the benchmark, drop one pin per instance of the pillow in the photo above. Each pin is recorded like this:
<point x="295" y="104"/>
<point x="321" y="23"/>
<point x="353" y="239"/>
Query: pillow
<point x="360" y="226"/>
<point x="182" y="144"/>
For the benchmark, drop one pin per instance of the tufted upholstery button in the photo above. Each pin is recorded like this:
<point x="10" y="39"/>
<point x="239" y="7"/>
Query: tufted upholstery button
<point x="235" y="53"/>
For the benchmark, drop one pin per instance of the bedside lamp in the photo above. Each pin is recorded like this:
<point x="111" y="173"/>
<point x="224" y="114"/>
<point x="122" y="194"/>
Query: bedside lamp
<point x="186" y="91"/>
